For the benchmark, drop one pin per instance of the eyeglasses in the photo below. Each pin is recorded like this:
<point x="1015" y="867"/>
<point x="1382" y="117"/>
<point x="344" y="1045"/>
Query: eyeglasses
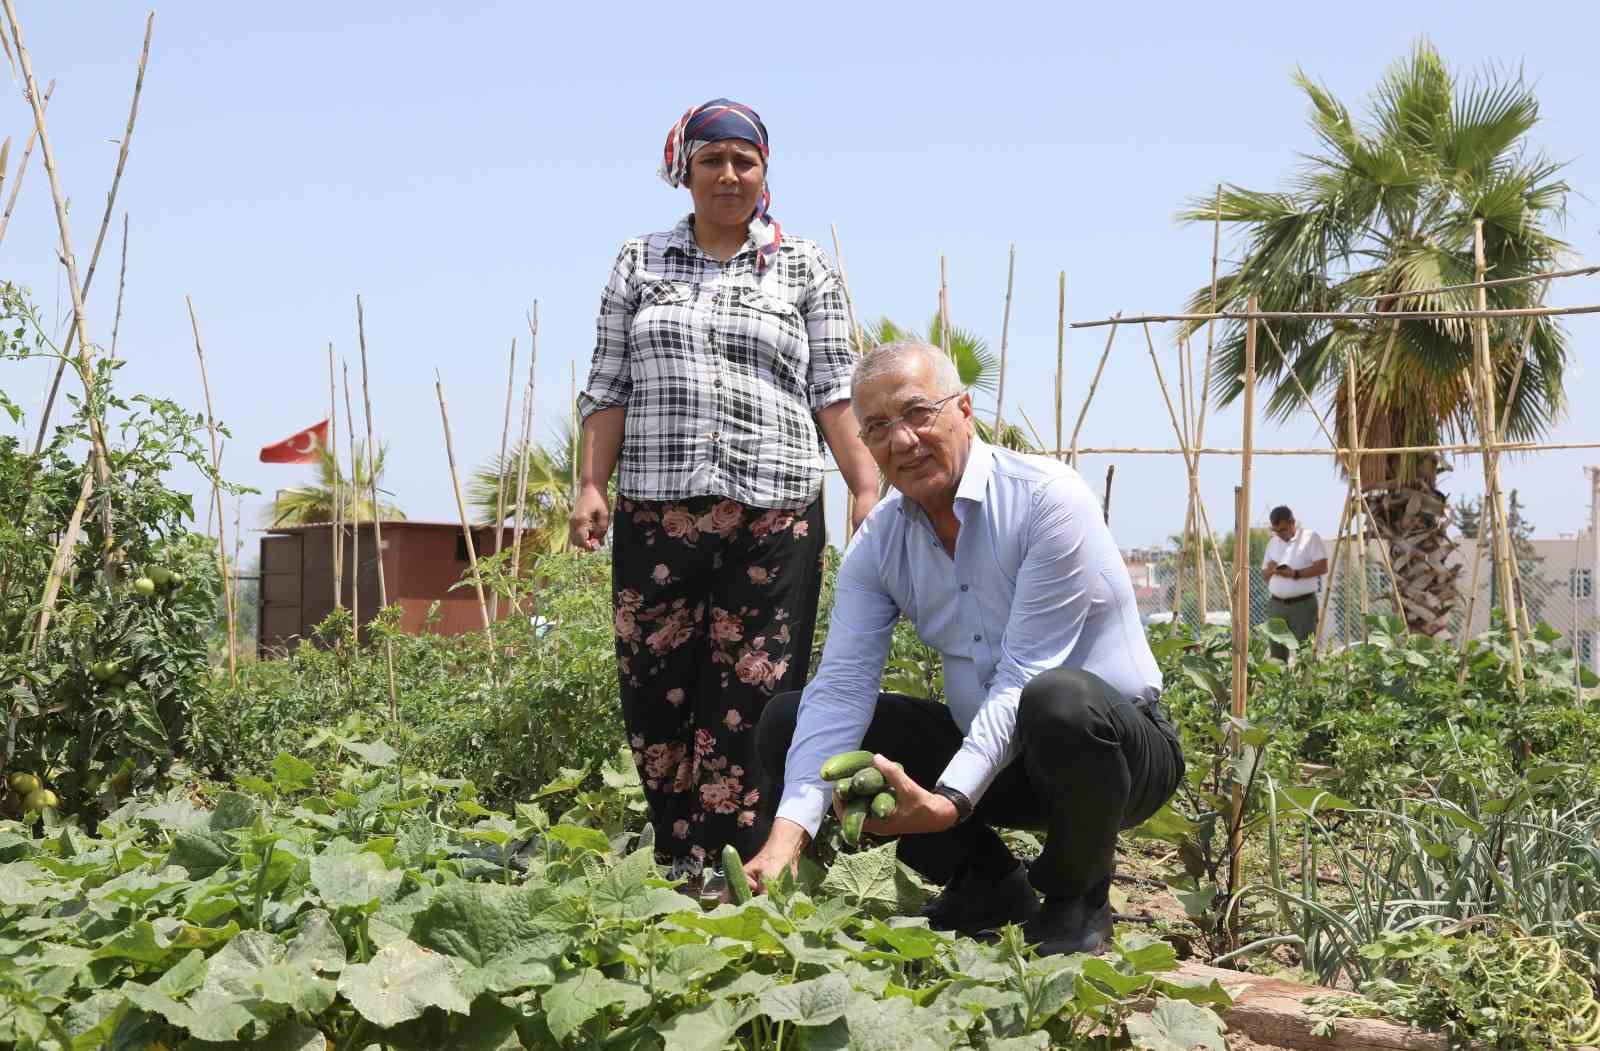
<point x="919" y="418"/>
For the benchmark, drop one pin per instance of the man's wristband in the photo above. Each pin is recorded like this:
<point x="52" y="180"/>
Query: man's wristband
<point x="957" y="797"/>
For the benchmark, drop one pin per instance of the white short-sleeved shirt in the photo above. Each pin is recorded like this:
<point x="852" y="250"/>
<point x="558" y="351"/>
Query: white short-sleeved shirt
<point x="1306" y="549"/>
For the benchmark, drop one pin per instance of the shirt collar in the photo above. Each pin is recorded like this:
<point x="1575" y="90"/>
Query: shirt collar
<point x="973" y="487"/>
<point x="975" y="477"/>
<point x="681" y="239"/>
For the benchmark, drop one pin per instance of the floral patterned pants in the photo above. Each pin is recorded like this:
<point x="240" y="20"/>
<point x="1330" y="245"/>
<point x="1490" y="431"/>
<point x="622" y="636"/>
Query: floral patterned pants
<point x="715" y="604"/>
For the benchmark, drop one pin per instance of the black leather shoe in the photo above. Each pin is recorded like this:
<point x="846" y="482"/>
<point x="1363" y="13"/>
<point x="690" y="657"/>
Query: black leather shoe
<point x="1067" y="925"/>
<point x="971" y="904"/>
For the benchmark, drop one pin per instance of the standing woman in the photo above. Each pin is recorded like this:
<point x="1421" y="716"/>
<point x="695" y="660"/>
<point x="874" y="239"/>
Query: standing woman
<point x="722" y="362"/>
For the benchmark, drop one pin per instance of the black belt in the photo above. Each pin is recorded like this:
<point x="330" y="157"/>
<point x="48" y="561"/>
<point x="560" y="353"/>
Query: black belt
<point x="1297" y="598"/>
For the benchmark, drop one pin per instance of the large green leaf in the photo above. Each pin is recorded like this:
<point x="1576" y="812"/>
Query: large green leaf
<point x="1176" y="1025"/>
<point x="499" y="935"/>
<point x="875" y="882"/>
<point x="357" y="881"/>
<point x="575" y="1000"/>
<point x="814" y="1002"/>
<point x="402" y="981"/>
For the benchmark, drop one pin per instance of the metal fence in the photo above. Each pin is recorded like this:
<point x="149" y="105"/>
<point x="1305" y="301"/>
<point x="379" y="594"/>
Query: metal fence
<point x="1556" y="586"/>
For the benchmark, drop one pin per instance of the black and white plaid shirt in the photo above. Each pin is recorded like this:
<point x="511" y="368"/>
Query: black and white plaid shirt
<point x="720" y="370"/>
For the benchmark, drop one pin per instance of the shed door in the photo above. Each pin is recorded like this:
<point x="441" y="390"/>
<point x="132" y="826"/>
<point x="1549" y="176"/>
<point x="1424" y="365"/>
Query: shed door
<point x="280" y="593"/>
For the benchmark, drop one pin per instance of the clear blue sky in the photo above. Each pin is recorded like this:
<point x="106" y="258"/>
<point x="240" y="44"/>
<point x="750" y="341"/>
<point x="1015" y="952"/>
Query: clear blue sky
<point x="454" y="162"/>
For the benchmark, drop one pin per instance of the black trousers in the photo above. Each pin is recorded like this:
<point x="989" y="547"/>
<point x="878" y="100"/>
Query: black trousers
<point x="1091" y="764"/>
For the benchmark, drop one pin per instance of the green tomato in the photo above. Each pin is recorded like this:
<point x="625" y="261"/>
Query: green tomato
<point x="160" y="574"/>
<point x="39" y="799"/>
<point x="145" y="586"/>
<point x="22" y="783"/>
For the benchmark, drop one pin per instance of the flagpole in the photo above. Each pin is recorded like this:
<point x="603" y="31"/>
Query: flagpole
<point x="336" y="537"/>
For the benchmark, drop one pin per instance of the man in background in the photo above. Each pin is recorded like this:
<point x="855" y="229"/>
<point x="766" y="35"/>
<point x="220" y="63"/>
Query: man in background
<point x="1295" y="561"/>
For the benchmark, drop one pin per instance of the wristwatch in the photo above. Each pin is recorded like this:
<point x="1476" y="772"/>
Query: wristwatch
<point x="963" y="805"/>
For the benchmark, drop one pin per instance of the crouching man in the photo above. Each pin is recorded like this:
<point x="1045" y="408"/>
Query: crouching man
<point x="1003" y="563"/>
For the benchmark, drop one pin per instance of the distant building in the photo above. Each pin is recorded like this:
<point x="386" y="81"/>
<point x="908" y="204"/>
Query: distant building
<point x="1559" y="589"/>
<point x="421" y="561"/>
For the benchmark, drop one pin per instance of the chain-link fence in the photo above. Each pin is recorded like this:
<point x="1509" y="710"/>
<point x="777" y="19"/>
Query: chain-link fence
<point x="1554" y="585"/>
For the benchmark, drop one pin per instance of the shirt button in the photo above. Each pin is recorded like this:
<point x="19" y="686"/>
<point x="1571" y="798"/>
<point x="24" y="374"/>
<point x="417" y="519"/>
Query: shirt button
<point x="977" y="638"/>
<point x="963" y="587"/>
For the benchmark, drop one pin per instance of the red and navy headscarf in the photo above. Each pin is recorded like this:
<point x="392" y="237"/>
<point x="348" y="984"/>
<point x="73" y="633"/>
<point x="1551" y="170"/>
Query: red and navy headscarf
<point x="716" y="121"/>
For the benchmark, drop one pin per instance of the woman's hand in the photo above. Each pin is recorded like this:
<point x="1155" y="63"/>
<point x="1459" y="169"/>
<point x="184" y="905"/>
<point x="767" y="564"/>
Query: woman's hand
<point x="590" y="518"/>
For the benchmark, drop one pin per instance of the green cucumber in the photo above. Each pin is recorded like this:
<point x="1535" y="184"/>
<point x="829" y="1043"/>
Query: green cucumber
<point x="733" y="868"/>
<point x="855" y="813"/>
<point x="841" y="790"/>
<point x="867" y="783"/>
<point x="845" y="764"/>
<point x="883" y="805"/>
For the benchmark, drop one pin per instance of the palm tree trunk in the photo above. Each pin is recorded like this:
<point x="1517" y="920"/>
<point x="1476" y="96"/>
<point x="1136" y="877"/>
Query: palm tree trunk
<point x="1413" y="519"/>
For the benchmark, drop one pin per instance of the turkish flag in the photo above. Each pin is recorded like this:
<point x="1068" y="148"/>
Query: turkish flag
<point x="304" y="447"/>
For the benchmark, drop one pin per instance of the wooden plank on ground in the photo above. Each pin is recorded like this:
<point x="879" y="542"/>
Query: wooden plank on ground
<point x="1273" y="1011"/>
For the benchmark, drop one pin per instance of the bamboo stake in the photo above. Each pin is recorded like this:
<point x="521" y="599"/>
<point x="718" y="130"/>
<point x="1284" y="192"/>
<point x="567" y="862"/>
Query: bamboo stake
<point x="577" y="435"/>
<point x="1094" y="385"/>
<point x="105" y="223"/>
<point x="1037" y="441"/>
<point x="355" y="515"/>
<point x="22" y="165"/>
<point x="527" y="438"/>
<point x="1472" y="602"/>
<point x="1241" y="594"/>
<point x="1522" y="361"/>
<point x="122" y="281"/>
<point x="844" y="284"/>
<point x="100" y="457"/>
<point x="1205" y="385"/>
<point x="377" y="517"/>
<point x="1111" y="472"/>
<point x="1502" y="540"/>
<point x="238" y="547"/>
<point x="1333" y="572"/>
<point x="1188" y="461"/>
<point x="1357" y="493"/>
<point x="944" y="307"/>
<point x="1204" y="397"/>
<point x="1240" y="569"/>
<point x="336" y="544"/>
<point x="216" y="471"/>
<point x="1345" y="315"/>
<point x="500" y="484"/>
<point x="5" y="160"/>
<point x="1005" y="339"/>
<point x="1523" y="279"/>
<point x="1061" y="347"/>
<point x="58" y="564"/>
<point x="1241" y="667"/>
<point x="461" y="507"/>
<point x="1339" y="453"/>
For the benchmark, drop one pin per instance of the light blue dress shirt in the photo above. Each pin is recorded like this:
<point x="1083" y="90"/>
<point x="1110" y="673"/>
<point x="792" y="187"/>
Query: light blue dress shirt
<point x="1037" y="582"/>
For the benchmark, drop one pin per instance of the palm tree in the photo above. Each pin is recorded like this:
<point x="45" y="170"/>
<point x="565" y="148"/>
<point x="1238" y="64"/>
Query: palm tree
<point x="308" y="504"/>
<point x="549" y="491"/>
<point x="1387" y="204"/>
<point x="976" y="364"/>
